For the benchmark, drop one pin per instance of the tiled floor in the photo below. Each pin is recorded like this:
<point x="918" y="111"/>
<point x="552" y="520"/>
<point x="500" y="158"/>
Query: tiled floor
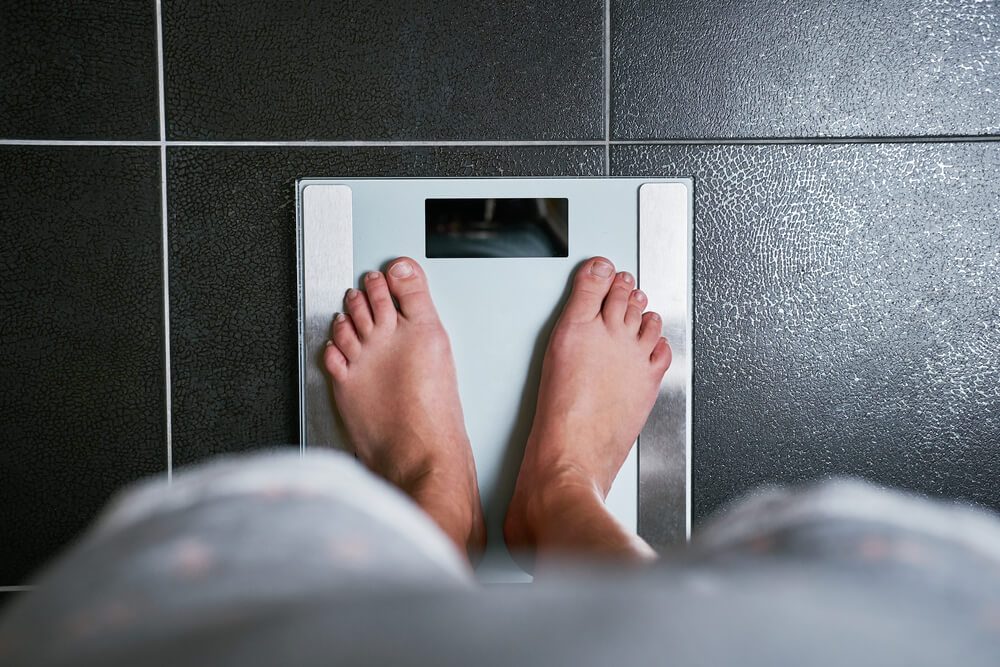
<point x="847" y="313"/>
<point x="425" y="70"/>
<point x="81" y="338"/>
<point x="759" y="68"/>
<point x="846" y="294"/>
<point x="78" y="70"/>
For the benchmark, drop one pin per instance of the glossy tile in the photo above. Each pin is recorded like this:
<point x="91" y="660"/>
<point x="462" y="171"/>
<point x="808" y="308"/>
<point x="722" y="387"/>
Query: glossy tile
<point x="847" y="314"/>
<point x="82" y="379"/>
<point x="804" y="68"/>
<point x="78" y="70"/>
<point x="306" y="70"/>
<point x="233" y="274"/>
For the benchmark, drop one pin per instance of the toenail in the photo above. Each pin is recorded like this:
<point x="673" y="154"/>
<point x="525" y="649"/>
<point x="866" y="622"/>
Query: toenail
<point x="640" y="297"/>
<point x="627" y="278"/>
<point x="339" y="317"/>
<point x="329" y="343"/>
<point x="401" y="270"/>
<point x="654" y="317"/>
<point x="373" y="275"/>
<point x="352" y="293"/>
<point x="601" y="269"/>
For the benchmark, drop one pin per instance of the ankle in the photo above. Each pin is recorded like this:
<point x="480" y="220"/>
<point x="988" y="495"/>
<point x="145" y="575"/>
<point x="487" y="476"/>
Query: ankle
<point x="454" y="504"/>
<point x="557" y="485"/>
<point x="542" y="491"/>
<point x="418" y="466"/>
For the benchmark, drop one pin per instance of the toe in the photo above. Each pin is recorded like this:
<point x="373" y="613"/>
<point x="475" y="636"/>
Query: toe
<point x="383" y="309"/>
<point x="408" y="284"/>
<point x="360" y="312"/>
<point x="345" y="336"/>
<point x="633" y="312"/>
<point x="650" y="330"/>
<point x="334" y="361"/>
<point x="590" y="285"/>
<point x="616" y="302"/>
<point x="661" y="356"/>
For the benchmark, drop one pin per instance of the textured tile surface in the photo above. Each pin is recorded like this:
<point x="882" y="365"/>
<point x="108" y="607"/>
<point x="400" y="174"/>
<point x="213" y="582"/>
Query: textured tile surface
<point x="78" y="70"/>
<point x="847" y="314"/>
<point x="81" y="338"/>
<point x="399" y="70"/>
<point x="804" y="68"/>
<point x="232" y="274"/>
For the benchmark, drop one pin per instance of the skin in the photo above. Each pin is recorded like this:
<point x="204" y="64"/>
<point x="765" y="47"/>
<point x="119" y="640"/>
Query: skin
<point x="394" y="384"/>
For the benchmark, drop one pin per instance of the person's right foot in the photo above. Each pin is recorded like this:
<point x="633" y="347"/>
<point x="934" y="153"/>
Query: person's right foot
<point x="395" y="387"/>
<point x="600" y="378"/>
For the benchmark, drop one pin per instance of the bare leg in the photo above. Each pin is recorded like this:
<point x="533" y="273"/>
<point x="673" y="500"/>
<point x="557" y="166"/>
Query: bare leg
<point x="600" y="377"/>
<point x="394" y="384"/>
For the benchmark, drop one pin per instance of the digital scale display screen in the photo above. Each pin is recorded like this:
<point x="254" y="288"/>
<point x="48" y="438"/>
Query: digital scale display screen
<point x="495" y="227"/>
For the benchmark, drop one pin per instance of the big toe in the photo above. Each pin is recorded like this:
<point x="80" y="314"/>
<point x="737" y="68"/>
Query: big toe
<point x="408" y="284"/>
<point x="590" y="285"/>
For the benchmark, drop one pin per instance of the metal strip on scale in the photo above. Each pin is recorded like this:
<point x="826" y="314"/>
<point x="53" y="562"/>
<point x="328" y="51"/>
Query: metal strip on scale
<point x="665" y="218"/>
<point x="326" y="270"/>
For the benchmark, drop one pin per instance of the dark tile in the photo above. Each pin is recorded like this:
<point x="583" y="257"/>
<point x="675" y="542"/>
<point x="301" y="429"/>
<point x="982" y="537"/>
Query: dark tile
<point x="81" y="337"/>
<point x="304" y="70"/>
<point x="847" y="314"/>
<point x="78" y="70"/>
<point x="233" y="274"/>
<point x="804" y="68"/>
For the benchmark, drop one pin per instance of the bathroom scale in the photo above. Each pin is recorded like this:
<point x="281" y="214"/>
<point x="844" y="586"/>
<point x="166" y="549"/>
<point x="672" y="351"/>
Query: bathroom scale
<point x="499" y="254"/>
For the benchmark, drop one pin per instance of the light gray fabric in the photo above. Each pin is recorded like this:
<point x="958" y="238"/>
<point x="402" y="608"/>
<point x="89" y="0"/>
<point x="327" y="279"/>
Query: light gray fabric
<point x="277" y="559"/>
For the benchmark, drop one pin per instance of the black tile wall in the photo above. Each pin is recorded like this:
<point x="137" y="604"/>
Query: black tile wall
<point x="406" y="69"/>
<point x="81" y="338"/>
<point x="804" y="68"/>
<point x="847" y="314"/>
<point x="232" y="274"/>
<point x="78" y="70"/>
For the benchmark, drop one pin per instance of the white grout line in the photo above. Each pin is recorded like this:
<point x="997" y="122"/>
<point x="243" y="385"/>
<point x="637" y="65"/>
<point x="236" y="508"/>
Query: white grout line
<point x="168" y="398"/>
<point x="295" y="144"/>
<point x="74" y="142"/>
<point x="376" y="144"/>
<point x="472" y="143"/>
<point x="607" y="87"/>
<point x="806" y="140"/>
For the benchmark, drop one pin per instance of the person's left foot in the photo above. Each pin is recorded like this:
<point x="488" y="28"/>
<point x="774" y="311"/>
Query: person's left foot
<point x="600" y="378"/>
<point x="395" y="386"/>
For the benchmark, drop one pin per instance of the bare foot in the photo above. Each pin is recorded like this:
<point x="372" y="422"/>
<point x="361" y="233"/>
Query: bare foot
<point x="394" y="384"/>
<point x="600" y="378"/>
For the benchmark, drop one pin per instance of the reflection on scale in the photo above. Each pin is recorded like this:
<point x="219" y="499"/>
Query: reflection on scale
<point x="480" y="228"/>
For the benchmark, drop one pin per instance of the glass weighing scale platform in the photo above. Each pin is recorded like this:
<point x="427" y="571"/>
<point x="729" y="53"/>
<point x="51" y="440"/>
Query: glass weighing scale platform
<point x="499" y="254"/>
